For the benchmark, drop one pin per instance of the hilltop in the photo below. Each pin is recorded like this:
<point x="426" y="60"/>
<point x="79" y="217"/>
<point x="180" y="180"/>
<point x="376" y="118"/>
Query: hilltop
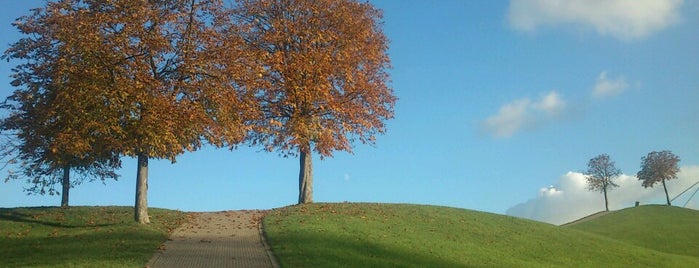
<point x="666" y="229"/>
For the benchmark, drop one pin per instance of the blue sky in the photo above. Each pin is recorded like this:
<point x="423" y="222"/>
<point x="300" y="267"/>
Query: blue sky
<point x="501" y="105"/>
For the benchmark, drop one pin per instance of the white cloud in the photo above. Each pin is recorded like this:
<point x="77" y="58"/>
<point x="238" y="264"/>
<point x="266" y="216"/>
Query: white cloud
<point x="551" y="104"/>
<point x="622" y="19"/>
<point x="608" y="87"/>
<point x="510" y="118"/>
<point x="523" y="113"/>
<point x="570" y="200"/>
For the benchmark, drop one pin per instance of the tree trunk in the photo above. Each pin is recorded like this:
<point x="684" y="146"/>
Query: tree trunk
<point x="141" y="207"/>
<point x="666" y="195"/>
<point x="305" y="178"/>
<point x="65" y="193"/>
<point x="606" y="202"/>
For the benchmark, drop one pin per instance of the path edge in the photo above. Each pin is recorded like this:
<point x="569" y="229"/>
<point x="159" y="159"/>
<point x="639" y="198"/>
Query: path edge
<point x="268" y="249"/>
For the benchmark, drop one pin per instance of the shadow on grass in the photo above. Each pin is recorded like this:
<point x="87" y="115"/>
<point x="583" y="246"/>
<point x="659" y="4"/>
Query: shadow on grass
<point x="15" y="215"/>
<point x="323" y="250"/>
<point x="104" y="248"/>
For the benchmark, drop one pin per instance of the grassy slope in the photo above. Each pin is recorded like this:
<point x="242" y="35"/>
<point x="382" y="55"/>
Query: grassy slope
<point x="383" y="235"/>
<point x="662" y="228"/>
<point x="81" y="236"/>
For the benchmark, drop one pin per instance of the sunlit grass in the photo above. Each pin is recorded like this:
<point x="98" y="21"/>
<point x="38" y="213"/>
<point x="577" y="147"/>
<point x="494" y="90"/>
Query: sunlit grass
<point x="390" y="235"/>
<point x="81" y="236"/>
<point x="365" y="235"/>
<point x="667" y="229"/>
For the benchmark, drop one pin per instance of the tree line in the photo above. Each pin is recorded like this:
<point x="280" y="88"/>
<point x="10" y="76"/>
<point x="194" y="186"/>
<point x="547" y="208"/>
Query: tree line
<point x="100" y="80"/>
<point x="656" y="167"/>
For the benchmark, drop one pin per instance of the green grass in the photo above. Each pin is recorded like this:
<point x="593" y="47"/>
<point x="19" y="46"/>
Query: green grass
<point x="366" y="235"/>
<point x="667" y="229"/>
<point x="81" y="236"/>
<point x="392" y="235"/>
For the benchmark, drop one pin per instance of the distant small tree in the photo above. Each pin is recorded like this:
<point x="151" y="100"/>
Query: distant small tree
<point x="600" y="175"/>
<point x="658" y="167"/>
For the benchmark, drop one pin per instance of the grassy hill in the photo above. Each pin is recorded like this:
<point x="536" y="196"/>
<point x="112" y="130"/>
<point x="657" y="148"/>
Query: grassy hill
<point x="395" y="235"/>
<point x="366" y="235"/>
<point x="81" y="236"/>
<point x="666" y="229"/>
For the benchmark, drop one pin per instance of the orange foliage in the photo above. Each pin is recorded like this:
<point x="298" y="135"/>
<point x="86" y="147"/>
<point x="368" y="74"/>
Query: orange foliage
<point x="147" y="74"/>
<point x="323" y="79"/>
<point x="56" y="114"/>
<point x="154" y="79"/>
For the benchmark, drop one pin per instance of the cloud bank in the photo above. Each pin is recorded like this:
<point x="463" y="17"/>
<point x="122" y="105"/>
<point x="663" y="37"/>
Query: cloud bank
<point x="570" y="200"/>
<point x="525" y="113"/>
<point x="622" y="19"/>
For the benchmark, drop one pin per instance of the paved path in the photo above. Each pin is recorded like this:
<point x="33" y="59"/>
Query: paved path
<point x="216" y="239"/>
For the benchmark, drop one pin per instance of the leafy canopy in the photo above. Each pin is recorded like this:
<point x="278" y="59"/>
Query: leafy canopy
<point x="601" y="173"/>
<point x="148" y="76"/>
<point x="658" y="167"/>
<point x="55" y="115"/>
<point x="322" y="73"/>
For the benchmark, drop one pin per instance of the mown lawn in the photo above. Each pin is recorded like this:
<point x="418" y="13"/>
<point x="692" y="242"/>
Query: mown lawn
<point x="365" y="235"/>
<point x="81" y="236"/>
<point x="667" y="229"/>
<point x="397" y="235"/>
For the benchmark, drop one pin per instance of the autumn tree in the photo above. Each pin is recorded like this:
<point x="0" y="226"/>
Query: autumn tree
<point x="600" y="176"/>
<point x="154" y="77"/>
<point x="51" y="128"/>
<point x="170" y="87"/>
<point x="323" y="77"/>
<point x="658" y="167"/>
